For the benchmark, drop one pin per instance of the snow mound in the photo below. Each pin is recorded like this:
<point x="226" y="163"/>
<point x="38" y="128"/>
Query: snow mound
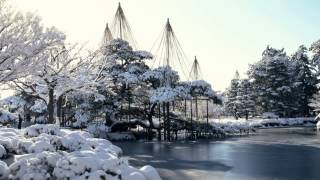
<point x="4" y="170"/>
<point x="3" y="151"/>
<point x="48" y="152"/>
<point x="38" y="129"/>
<point x="34" y="166"/>
<point x="150" y="173"/>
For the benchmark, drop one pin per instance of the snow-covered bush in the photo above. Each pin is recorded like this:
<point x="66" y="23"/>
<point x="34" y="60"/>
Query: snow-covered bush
<point x="36" y="130"/>
<point x="98" y="129"/>
<point x="232" y="126"/>
<point x="13" y="102"/>
<point x="4" y="170"/>
<point x="3" y="151"/>
<point x="6" y="117"/>
<point x="269" y="115"/>
<point x="47" y="152"/>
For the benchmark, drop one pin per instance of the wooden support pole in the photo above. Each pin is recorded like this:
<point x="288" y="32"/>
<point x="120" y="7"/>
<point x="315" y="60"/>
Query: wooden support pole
<point x="197" y="114"/>
<point x="168" y="122"/>
<point x="191" y="119"/>
<point x="173" y="105"/>
<point x="129" y="111"/>
<point x="129" y="106"/>
<point x="186" y="117"/>
<point x="185" y="108"/>
<point x="159" y="128"/>
<point x="121" y="107"/>
<point x="207" y="117"/>
<point x="164" y="122"/>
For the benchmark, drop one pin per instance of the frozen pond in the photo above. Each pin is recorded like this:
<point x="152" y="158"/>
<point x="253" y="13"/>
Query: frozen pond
<point x="286" y="153"/>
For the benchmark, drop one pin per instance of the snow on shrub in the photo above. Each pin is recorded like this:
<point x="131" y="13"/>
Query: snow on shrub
<point x="47" y="152"/>
<point x="34" y="166"/>
<point x="10" y="138"/>
<point x="38" y="129"/>
<point x="6" y="117"/>
<point x="229" y="126"/>
<point x="83" y="163"/>
<point x="232" y="126"/>
<point x="98" y="129"/>
<point x="150" y="173"/>
<point x="4" y="170"/>
<point x="3" y="151"/>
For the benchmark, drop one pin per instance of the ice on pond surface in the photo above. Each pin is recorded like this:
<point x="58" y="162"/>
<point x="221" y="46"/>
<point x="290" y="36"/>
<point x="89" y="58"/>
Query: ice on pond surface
<point x="283" y="153"/>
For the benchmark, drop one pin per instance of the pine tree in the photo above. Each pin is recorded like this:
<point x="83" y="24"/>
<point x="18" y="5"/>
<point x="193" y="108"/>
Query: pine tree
<point x="231" y="103"/>
<point x="271" y="78"/>
<point x="245" y="98"/>
<point x="304" y="81"/>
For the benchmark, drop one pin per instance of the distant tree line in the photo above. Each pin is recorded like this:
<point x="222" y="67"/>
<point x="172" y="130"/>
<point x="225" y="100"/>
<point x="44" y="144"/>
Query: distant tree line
<point x="284" y="85"/>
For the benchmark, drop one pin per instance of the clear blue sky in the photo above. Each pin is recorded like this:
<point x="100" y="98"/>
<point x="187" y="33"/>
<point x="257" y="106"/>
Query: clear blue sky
<point x="226" y="35"/>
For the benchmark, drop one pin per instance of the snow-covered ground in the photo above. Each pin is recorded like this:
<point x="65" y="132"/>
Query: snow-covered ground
<point x="232" y="126"/>
<point x="48" y="152"/>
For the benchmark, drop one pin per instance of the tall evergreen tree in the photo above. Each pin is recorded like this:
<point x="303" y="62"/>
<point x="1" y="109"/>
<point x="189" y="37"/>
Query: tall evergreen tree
<point x="271" y="78"/>
<point x="231" y="103"/>
<point x="245" y="98"/>
<point x="304" y="81"/>
<point x="315" y="60"/>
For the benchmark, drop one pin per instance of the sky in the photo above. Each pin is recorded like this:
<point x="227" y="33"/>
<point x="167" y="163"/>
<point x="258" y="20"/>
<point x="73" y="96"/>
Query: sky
<point x="225" y="35"/>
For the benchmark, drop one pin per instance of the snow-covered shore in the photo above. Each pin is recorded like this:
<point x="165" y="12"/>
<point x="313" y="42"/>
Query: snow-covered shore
<point x="48" y="152"/>
<point x="234" y="127"/>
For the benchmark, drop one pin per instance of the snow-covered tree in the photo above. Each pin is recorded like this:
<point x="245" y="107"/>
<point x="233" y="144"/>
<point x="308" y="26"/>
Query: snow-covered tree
<point x="60" y="71"/>
<point x="22" y="40"/>
<point x="231" y="102"/>
<point x="304" y="81"/>
<point x="201" y="88"/>
<point x="272" y="82"/>
<point x="123" y="67"/>
<point x="165" y="85"/>
<point x="315" y="59"/>
<point x="314" y="102"/>
<point x="245" y="98"/>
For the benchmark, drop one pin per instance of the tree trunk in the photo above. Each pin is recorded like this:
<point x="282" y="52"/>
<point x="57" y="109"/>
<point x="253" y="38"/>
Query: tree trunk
<point x="108" y="121"/>
<point x="159" y="128"/>
<point x="59" y="109"/>
<point x="168" y="122"/>
<point x="164" y="122"/>
<point x="51" y="106"/>
<point x="207" y="127"/>
<point x="20" y="122"/>
<point x="191" y="123"/>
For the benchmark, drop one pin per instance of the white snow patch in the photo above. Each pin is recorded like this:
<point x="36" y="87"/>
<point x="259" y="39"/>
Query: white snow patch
<point x="46" y="151"/>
